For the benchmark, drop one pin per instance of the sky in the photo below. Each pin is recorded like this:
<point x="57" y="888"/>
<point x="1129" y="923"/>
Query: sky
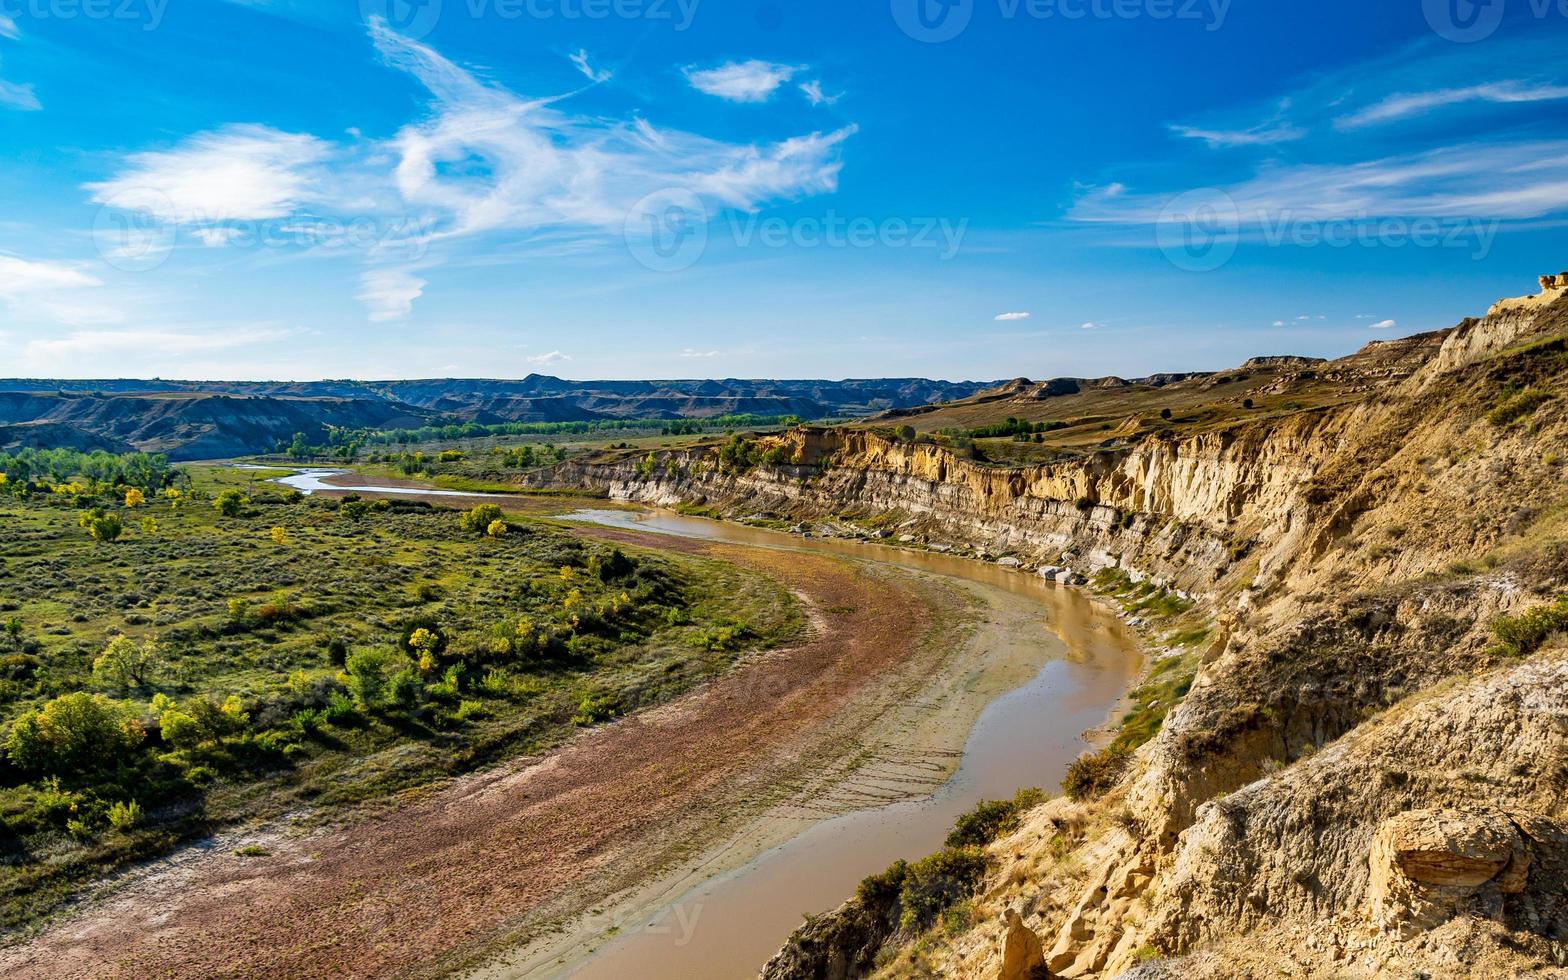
<point x="958" y="189"/>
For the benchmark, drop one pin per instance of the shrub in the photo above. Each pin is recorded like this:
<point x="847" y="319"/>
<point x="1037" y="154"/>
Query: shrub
<point x="366" y="672"/>
<point x="74" y="735"/>
<point x="596" y="708"/>
<point x="478" y="520"/>
<point x="106" y="529"/>
<point x="882" y="890"/>
<point x="497" y="529"/>
<point x="936" y="883"/>
<point x="125" y="815"/>
<point x="200" y="721"/>
<point x="992" y="819"/>
<point x="1093" y="774"/>
<point x="1517" y="405"/>
<point x="1522" y="635"/>
<point x="230" y="503"/>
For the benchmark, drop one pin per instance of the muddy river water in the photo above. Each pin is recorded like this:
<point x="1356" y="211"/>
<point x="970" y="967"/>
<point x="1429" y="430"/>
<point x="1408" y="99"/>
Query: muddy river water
<point x="1051" y="666"/>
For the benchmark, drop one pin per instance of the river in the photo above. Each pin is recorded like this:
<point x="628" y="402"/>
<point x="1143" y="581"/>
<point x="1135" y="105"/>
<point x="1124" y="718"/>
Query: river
<point x="1053" y="666"/>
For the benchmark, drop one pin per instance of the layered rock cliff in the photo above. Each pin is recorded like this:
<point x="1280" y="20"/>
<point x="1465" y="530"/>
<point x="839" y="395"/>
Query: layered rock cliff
<point x="1370" y="772"/>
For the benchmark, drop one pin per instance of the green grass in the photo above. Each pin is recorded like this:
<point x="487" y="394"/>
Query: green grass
<point x="527" y="629"/>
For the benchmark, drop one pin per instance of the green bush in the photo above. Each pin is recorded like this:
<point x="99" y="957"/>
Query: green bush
<point x="1522" y="635"/>
<point x="73" y="736"/>
<point x="596" y="708"/>
<point x="992" y="819"/>
<point x="367" y="672"/>
<point x="1517" y="405"/>
<point x="125" y="815"/>
<point x="1092" y="775"/>
<point x="878" y="891"/>
<point x="478" y="520"/>
<point x="230" y="503"/>
<point x="936" y="883"/>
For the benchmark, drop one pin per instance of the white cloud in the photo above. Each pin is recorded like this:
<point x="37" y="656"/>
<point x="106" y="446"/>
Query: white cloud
<point x="1009" y="317"/>
<point x="580" y="59"/>
<point x="545" y="360"/>
<point x="237" y="173"/>
<point x="1279" y="323"/>
<point x="18" y="275"/>
<point x="816" y="96"/>
<point x="1385" y="325"/>
<point x="8" y="28"/>
<point x="689" y="352"/>
<point x="389" y="294"/>
<point x="1091" y="325"/>
<point x="548" y="171"/>
<point x="1502" y="180"/>
<point x="1275" y="129"/>
<point x="14" y="95"/>
<point x="743" y="81"/>
<point x="1402" y="105"/>
<point x="119" y="352"/>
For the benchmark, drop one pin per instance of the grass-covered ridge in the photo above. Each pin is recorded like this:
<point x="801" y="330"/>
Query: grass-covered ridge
<point x="238" y="650"/>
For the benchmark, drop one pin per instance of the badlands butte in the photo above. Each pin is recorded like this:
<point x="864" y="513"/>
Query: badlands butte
<point x="1349" y="757"/>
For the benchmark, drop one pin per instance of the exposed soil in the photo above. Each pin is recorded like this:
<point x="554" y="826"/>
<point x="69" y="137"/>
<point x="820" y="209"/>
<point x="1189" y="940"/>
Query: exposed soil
<point x="442" y="875"/>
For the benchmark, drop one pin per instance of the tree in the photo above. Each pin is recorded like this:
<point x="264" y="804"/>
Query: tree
<point x="106" y="529"/>
<point x="149" y="526"/>
<point x="74" y="735"/>
<point x="134" y="498"/>
<point x="125" y="664"/>
<point x="478" y="520"/>
<point x="280" y="536"/>
<point x="497" y="529"/>
<point x="907" y="432"/>
<point x="366" y="675"/>
<point x="230" y="503"/>
<point x="201" y="720"/>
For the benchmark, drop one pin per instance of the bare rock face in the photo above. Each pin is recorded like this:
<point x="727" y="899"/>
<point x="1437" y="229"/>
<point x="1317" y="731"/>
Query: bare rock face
<point x="1429" y="865"/>
<point x="1023" y="955"/>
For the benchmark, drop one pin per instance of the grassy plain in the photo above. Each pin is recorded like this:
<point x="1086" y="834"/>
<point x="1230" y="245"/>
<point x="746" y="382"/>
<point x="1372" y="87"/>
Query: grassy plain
<point x="313" y="654"/>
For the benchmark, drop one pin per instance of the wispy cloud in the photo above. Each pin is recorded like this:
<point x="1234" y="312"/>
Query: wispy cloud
<point x="1010" y="317"/>
<point x="549" y="171"/>
<point x="689" y="352"/>
<point x="1498" y="180"/>
<point x="742" y="81"/>
<point x="389" y="294"/>
<point x="1091" y="325"/>
<point x="816" y="96"/>
<point x="1402" y="105"/>
<point x="15" y="95"/>
<point x="8" y="28"/>
<point x="547" y="359"/>
<point x="580" y="59"/>
<point x="1385" y="325"/>
<point x="19" y="275"/>
<point x="118" y="352"/>
<point x="1275" y="129"/>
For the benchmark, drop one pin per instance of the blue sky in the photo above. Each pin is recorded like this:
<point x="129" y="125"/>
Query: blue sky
<point x="677" y="188"/>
